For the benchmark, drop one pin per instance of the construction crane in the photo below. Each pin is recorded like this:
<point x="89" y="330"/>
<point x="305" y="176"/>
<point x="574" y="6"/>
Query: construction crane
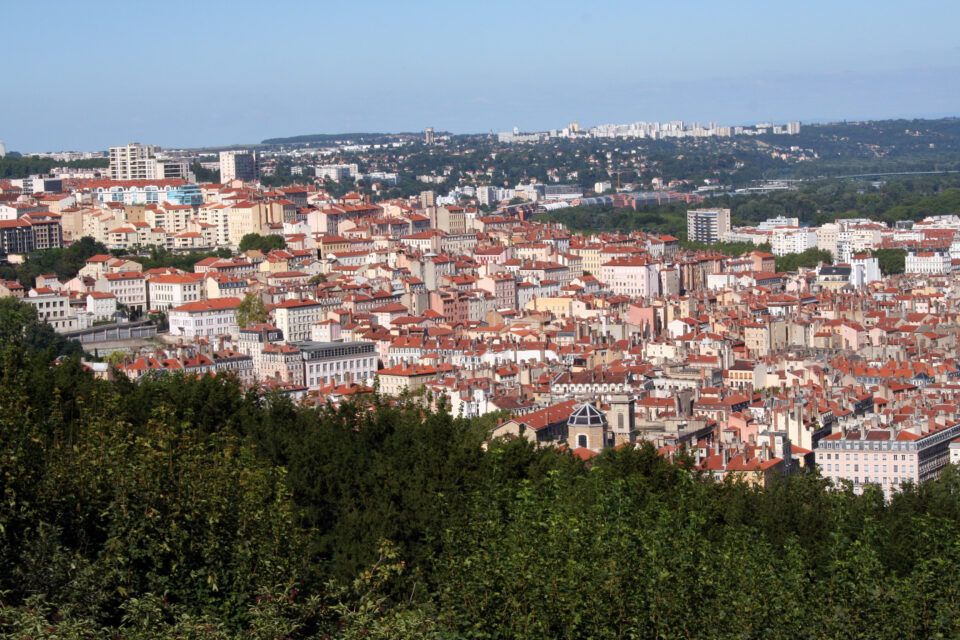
<point x="619" y="172"/>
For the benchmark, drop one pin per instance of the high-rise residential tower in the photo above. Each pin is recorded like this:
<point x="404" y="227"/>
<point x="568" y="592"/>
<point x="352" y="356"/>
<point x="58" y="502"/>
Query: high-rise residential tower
<point x="238" y="165"/>
<point x="707" y="225"/>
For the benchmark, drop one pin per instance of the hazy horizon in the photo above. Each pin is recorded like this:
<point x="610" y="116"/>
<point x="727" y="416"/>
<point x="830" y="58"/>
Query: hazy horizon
<point x="199" y="75"/>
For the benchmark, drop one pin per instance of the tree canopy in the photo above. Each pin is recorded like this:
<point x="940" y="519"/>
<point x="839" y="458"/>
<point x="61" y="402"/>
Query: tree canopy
<point x="185" y="506"/>
<point x="65" y="262"/>
<point x="255" y="241"/>
<point x="25" y="166"/>
<point x="891" y="261"/>
<point x="808" y="259"/>
<point x="251" y="310"/>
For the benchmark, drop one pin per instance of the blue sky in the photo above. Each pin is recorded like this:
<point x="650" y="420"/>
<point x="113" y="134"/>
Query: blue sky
<point x="87" y="75"/>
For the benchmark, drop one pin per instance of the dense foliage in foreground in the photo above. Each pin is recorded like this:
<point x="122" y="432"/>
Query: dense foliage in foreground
<point x="187" y="508"/>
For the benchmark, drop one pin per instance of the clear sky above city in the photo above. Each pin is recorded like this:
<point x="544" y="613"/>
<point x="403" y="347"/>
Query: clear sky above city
<point x="87" y="75"/>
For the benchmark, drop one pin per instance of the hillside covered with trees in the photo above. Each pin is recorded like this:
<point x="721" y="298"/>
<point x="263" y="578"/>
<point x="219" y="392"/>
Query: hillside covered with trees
<point x="186" y="507"/>
<point x="814" y="203"/>
<point x="12" y="166"/>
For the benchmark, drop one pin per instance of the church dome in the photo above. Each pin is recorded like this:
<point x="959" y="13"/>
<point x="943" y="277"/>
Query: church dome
<point x="587" y="415"/>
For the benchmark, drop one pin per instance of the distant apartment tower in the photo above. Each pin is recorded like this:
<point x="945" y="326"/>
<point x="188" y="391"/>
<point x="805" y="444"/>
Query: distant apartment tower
<point x="707" y="225"/>
<point x="793" y="128"/>
<point x="132" y="162"/>
<point x="337" y="172"/>
<point x="428" y="199"/>
<point x="487" y="195"/>
<point x="238" y="165"/>
<point x="3" y="149"/>
<point x="428" y="136"/>
<point x="136" y="161"/>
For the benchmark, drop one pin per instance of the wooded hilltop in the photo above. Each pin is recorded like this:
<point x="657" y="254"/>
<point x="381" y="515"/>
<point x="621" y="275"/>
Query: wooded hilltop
<point x="186" y="507"/>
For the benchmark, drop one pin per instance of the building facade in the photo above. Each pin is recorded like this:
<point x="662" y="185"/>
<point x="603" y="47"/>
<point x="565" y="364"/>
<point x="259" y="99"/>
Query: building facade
<point x="238" y="165"/>
<point x="707" y="225"/>
<point x="327" y="363"/>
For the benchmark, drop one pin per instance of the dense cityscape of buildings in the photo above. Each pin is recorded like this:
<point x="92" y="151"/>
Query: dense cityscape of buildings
<point x="651" y="131"/>
<point x="587" y="341"/>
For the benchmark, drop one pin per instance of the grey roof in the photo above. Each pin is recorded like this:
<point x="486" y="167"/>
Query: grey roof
<point x="587" y="415"/>
<point x="834" y="271"/>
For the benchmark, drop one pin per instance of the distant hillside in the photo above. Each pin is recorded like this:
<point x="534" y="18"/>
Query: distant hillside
<point x="366" y="138"/>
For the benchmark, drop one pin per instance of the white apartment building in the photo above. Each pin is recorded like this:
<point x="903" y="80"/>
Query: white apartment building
<point x="328" y="363"/>
<point x="53" y="308"/>
<point x="864" y="269"/>
<point x="102" y="306"/>
<point x="173" y="290"/>
<point x="337" y="172"/>
<point x="888" y="458"/>
<point x="169" y="217"/>
<point x="857" y="238"/>
<point x="129" y="287"/>
<point x="635" y="276"/>
<point x="928" y="262"/>
<point x="130" y="162"/>
<point x="204" y="318"/>
<point x="140" y="162"/>
<point x="780" y="221"/>
<point x="217" y="215"/>
<point x="827" y="236"/>
<point x="792" y="240"/>
<point x="296" y="318"/>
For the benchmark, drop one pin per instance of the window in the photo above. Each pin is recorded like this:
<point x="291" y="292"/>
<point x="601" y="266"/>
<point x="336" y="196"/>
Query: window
<point x="582" y="440"/>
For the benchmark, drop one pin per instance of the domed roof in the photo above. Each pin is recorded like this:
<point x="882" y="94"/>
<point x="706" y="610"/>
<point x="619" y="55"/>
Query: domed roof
<point x="587" y="415"/>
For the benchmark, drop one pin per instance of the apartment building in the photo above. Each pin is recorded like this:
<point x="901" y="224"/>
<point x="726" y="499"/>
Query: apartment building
<point x="296" y="318"/>
<point x="707" y="225"/>
<point x="53" y="308"/>
<point x="928" y="262"/>
<point x="401" y="378"/>
<point x="327" y="363"/>
<point x="173" y="290"/>
<point x="136" y="161"/>
<point x="204" y="318"/>
<point x="238" y="165"/>
<point x="786" y="240"/>
<point x="129" y="287"/>
<point x="632" y="276"/>
<point x="888" y="458"/>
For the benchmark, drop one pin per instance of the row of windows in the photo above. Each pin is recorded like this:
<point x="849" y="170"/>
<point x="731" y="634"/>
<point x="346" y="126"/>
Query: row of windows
<point x="336" y="366"/>
<point x="886" y="445"/>
<point x="866" y="480"/>
<point x="49" y="305"/>
<point x="835" y="468"/>
<point x="339" y="351"/>
<point x="337" y="377"/>
<point x="866" y="456"/>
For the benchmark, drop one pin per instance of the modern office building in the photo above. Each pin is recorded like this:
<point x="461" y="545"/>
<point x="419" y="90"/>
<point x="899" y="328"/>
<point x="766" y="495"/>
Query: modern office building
<point x="238" y="165"/>
<point x="707" y="225"/>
